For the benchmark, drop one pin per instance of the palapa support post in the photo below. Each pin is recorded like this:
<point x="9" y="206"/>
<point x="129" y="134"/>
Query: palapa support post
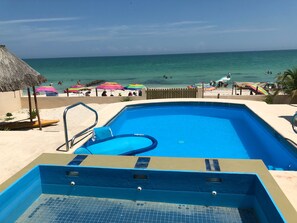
<point x="232" y="88"/>
<point x="203" y="90"/>
<point x="36" y="107"/>
<point x="30" y="103"/>
<point x="96" y="92"/>
<point x="67" y="91"/>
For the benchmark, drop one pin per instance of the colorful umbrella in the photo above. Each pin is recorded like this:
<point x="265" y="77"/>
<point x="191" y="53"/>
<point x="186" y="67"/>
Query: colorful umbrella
<point x="76" y="90"/>
<point x="77" y="86"/>
<point x="46" y="89"/>
<point x="258" y="89"/>
<point x="110" y="86"/>
<point x="134" y="86"/>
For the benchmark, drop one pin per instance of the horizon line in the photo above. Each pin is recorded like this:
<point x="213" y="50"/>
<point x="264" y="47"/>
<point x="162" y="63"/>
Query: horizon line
<point x="160" y="54"/>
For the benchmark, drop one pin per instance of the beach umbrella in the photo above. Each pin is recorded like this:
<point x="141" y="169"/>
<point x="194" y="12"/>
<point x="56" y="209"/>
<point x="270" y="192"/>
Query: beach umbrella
<point x="135" y="87"/>
<point x="77" y="86"/>
<point x="110" y="86"/>
<point x="257" y="88"/>
<point x="15" y="74"/>
<point x="46" y="89"/>
<point x="75" y="90"/>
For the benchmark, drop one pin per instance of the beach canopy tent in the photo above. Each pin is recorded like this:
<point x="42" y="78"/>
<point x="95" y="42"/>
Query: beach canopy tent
<point x="135" y="87"/>
<point x="15" y="74"/>
<point x="48" y="90"/>
<point x="110" y="86"/>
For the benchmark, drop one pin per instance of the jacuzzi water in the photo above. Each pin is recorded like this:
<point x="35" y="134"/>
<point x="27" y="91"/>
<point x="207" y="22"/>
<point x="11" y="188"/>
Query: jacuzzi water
<point x="206" y="130"/>
<point x="94" y="194"/>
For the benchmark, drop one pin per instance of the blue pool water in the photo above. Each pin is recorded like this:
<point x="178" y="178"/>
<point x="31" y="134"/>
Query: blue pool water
<point x="206" y="130"/>
<point x="93" y="194"/>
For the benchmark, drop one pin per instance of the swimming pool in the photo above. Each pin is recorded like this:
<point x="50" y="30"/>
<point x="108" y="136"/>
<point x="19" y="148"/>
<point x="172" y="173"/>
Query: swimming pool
<point x="94" y="194"/>
<point x="206" y="130"/>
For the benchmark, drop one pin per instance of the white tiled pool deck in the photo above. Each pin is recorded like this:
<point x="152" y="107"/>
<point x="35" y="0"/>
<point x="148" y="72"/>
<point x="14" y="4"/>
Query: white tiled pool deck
<point x="19" y="148"/>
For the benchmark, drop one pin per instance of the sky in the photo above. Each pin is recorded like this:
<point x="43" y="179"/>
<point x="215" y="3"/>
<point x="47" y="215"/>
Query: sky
<point x="77" y="28"/>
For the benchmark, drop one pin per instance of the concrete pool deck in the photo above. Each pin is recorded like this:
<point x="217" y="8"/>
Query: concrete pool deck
<point x="19" y="148"/>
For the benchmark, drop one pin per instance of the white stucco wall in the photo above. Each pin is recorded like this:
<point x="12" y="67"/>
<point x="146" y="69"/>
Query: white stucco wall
<point x="10" y="102"/>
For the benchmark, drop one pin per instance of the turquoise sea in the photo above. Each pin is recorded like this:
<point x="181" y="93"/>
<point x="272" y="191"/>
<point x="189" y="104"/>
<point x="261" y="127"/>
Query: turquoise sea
<point x="178" y="70"/>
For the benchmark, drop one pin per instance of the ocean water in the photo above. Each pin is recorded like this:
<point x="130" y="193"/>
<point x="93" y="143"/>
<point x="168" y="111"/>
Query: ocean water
<point x="178" y="70"/>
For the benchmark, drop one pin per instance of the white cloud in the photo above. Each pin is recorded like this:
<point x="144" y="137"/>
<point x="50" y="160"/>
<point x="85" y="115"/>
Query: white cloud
<point x="176" y="29"/>
<point x="182" y="23"/>
<point x="246" y="30"/>
<point x="72" y="33"/>
<point x="22" y="21"/>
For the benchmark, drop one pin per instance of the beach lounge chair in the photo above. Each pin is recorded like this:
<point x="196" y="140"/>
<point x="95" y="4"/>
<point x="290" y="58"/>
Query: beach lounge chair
<point x="51" y="94"/>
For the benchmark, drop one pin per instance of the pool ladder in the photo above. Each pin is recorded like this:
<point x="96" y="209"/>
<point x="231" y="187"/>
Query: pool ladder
<point x="80" y="133"/>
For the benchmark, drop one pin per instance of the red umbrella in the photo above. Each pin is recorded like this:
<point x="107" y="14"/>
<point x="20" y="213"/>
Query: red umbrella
<point x="110" y="86"/>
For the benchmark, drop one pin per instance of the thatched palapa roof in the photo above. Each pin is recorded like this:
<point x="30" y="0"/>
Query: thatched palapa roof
<point x="15" y="74"/>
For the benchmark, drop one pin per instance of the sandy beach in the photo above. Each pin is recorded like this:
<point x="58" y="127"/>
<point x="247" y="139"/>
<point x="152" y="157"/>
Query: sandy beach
<point x="125" y="93"/>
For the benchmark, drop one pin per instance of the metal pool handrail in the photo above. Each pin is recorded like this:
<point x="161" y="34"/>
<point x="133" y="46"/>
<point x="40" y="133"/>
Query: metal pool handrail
<point x="80" y="133"/>
<point x="294" y="122"/>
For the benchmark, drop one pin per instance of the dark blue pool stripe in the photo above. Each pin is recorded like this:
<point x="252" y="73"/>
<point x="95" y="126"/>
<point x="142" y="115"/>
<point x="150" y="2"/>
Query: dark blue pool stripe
<point x="142" y="162"/>
<point x="77" y="160"/>
<point x="212" y="165"/>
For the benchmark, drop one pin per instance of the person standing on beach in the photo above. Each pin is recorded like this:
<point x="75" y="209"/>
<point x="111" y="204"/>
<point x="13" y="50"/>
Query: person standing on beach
<point x="104" y="93"/>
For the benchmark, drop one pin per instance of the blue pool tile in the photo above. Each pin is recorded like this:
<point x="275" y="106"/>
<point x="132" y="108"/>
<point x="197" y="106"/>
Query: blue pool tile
<point x="61" y="208"/>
